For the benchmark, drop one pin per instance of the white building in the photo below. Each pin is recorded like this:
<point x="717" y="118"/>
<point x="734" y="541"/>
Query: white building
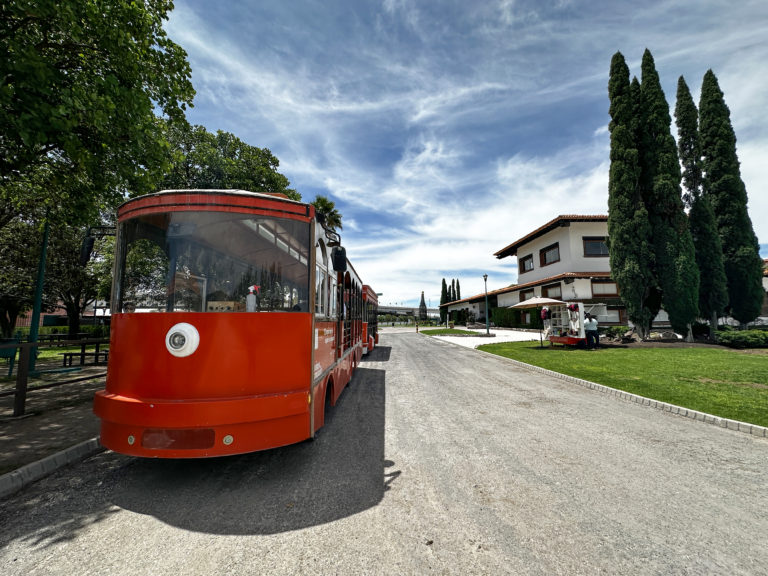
<point x="565" y="259"/>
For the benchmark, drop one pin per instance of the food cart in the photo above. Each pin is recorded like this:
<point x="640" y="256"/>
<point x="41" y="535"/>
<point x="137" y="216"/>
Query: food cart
<point x="564" y="323"/>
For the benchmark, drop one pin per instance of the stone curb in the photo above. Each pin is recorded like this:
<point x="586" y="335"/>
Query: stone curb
<point x="18" y="479"/>
<point x="736" y="425"/>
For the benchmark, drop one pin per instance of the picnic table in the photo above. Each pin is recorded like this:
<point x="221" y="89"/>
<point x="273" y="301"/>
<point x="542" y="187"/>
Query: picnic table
<point x="98" y="355"/>
<point x="60" y="338"/>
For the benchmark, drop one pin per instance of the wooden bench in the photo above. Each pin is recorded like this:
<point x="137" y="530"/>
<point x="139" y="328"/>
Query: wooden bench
<point x="98" y="356"/>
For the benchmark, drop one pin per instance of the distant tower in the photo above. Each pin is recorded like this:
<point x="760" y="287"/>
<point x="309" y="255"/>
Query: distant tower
<point x="422" y="308"/>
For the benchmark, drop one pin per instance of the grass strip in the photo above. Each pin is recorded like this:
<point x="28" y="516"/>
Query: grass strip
<point x="448" y="332"/>
<point x="727" y="383"/>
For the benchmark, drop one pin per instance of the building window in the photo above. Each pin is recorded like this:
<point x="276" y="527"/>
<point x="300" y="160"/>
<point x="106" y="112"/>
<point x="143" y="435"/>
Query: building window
<point x="549" y="255"/>
<point x="526" y="264"/>
<point x="552" y="291"/>
<point x="604" y="288"/>
<point x="612" y="315"/>
<point x="526" y="294"/>
<point x="595" y="246"/>
<point x="525" y="317"/>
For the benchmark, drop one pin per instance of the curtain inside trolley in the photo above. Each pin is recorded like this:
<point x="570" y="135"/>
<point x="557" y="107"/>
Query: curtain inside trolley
<point x="212" y="262"/>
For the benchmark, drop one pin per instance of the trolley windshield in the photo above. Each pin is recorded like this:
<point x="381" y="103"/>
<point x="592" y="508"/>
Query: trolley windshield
<point x="211" y="262"/>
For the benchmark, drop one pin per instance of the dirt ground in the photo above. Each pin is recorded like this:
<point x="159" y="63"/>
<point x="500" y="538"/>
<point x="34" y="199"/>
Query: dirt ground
<point x="55" y="418"/>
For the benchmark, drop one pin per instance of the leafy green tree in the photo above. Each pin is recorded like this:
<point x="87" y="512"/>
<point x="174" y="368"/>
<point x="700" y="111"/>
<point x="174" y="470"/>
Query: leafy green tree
<point x="713" y="290"/>
<point x="199" y="159"/>
<point x="79" y="86"/>
<point x="67" y="281"/>
<point x="629" y="232"/>
<point x="675" y="260"/>
<point x="19" y="254"/>
<point x="327" y="209"/>
<point x="723" y="186"/>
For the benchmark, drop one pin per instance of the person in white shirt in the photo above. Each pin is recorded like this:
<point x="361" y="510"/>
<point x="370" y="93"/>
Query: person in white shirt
<point x="590" y="328"/>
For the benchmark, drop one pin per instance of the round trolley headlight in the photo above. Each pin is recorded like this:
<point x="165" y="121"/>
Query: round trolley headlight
<point x="182" y="340"/>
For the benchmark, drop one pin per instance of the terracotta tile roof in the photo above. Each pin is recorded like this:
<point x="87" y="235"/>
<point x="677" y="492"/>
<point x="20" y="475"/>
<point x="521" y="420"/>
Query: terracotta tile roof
<point x="561" y="220"/>
<point x="516" y="287"/>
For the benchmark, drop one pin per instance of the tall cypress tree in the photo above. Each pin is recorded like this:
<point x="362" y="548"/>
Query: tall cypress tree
<point x="458" y="290"/>
<point x="443" y="300"/>
<point x="675" y="260"/>
<point x="453" y="290"/>
<point x="629" y="232"/>
<point x="723" y="185"/>
<point x="422" y="308"/>
<point x="713" y="291"/>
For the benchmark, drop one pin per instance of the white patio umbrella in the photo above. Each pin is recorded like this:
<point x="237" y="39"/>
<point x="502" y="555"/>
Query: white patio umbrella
<point x="538" y="302"/>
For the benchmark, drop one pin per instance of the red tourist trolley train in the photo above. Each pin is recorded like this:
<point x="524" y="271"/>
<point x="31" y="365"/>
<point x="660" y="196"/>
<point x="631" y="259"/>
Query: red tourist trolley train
<point x="236" y="320"/>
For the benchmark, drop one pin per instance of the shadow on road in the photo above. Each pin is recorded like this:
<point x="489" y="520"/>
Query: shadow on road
<point x="340" y="473"/>
<point x="378" y="354"/>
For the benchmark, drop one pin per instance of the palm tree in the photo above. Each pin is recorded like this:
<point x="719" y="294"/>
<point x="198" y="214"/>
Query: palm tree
<point x="327" y="209"/>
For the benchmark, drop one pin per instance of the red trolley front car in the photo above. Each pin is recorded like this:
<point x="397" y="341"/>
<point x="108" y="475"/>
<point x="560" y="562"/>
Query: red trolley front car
<point x="236" y="319"/>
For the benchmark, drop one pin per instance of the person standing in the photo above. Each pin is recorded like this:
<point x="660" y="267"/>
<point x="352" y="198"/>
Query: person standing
<point x="590" y="328"/>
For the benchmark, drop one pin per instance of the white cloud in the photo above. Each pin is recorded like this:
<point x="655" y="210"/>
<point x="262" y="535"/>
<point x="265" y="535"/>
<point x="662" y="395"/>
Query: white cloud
<point x="448" y="132"/>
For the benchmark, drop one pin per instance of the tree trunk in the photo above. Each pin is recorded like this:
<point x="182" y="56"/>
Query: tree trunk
<point x="73" y="320"/>
<point x="713" y="327"/>
<point x="689" y="336"/>
<point x="8" y="321"/>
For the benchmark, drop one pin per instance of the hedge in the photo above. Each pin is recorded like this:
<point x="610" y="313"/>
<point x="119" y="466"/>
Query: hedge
<point x="743" y="338"/>
<point x="512" y="318"/>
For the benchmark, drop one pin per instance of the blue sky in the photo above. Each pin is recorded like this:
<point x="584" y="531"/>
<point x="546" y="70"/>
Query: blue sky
<point x="445" y="130"/>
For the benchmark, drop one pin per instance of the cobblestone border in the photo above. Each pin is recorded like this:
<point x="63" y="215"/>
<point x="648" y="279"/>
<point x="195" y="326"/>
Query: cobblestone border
<point x="736" y="425"/>
<point x="21" y="477"/>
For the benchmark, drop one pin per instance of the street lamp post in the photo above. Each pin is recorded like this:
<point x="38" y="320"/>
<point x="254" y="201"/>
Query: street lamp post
<point x="485" y="280"/>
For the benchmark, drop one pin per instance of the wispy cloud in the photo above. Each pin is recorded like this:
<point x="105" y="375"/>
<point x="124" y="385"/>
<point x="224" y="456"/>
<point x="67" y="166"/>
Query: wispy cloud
<point x="444" y="130"/>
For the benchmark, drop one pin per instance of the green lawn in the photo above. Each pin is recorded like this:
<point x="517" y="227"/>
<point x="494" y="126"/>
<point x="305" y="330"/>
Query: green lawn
<point x="448" y="332"/>
<point x="727" y="383"/>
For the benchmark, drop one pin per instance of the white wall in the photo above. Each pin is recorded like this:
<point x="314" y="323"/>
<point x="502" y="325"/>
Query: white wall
<point x="570" y="240"/>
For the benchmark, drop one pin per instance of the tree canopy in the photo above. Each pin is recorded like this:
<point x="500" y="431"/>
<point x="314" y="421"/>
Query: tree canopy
<point x="443" y="300"/>
<point x="93" y="97"/>
<point x="713" y="292"/>
<point x="651" y="248"/>
<point x="723" y="186"/>
<point x="659" y="254"/>
<point x="197" y="158"/>
<point x="629" y="232"/>
<point x="19" y="254"/>
<point x="80" y="83"/>
<point x="675" y="260"/>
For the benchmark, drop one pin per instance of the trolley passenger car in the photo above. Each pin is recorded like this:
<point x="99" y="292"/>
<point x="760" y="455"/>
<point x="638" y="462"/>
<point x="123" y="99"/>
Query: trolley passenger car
<point x="236" y="319"/>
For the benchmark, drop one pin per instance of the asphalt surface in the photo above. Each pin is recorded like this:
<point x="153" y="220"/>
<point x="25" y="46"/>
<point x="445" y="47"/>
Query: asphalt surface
<point x="438" y="459"/>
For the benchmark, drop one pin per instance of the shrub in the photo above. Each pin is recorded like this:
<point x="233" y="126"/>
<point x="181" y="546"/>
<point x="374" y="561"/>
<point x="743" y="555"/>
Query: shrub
<point x="513" y="318"/>
<point x="613" y="332"/>
<point x="743" y="338"/>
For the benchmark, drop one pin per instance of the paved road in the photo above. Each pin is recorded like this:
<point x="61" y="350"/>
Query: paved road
<point x="438" y="460"/>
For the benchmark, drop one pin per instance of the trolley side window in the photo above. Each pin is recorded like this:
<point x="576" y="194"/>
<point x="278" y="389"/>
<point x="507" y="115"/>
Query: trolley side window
<point x="321" y="280"/>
